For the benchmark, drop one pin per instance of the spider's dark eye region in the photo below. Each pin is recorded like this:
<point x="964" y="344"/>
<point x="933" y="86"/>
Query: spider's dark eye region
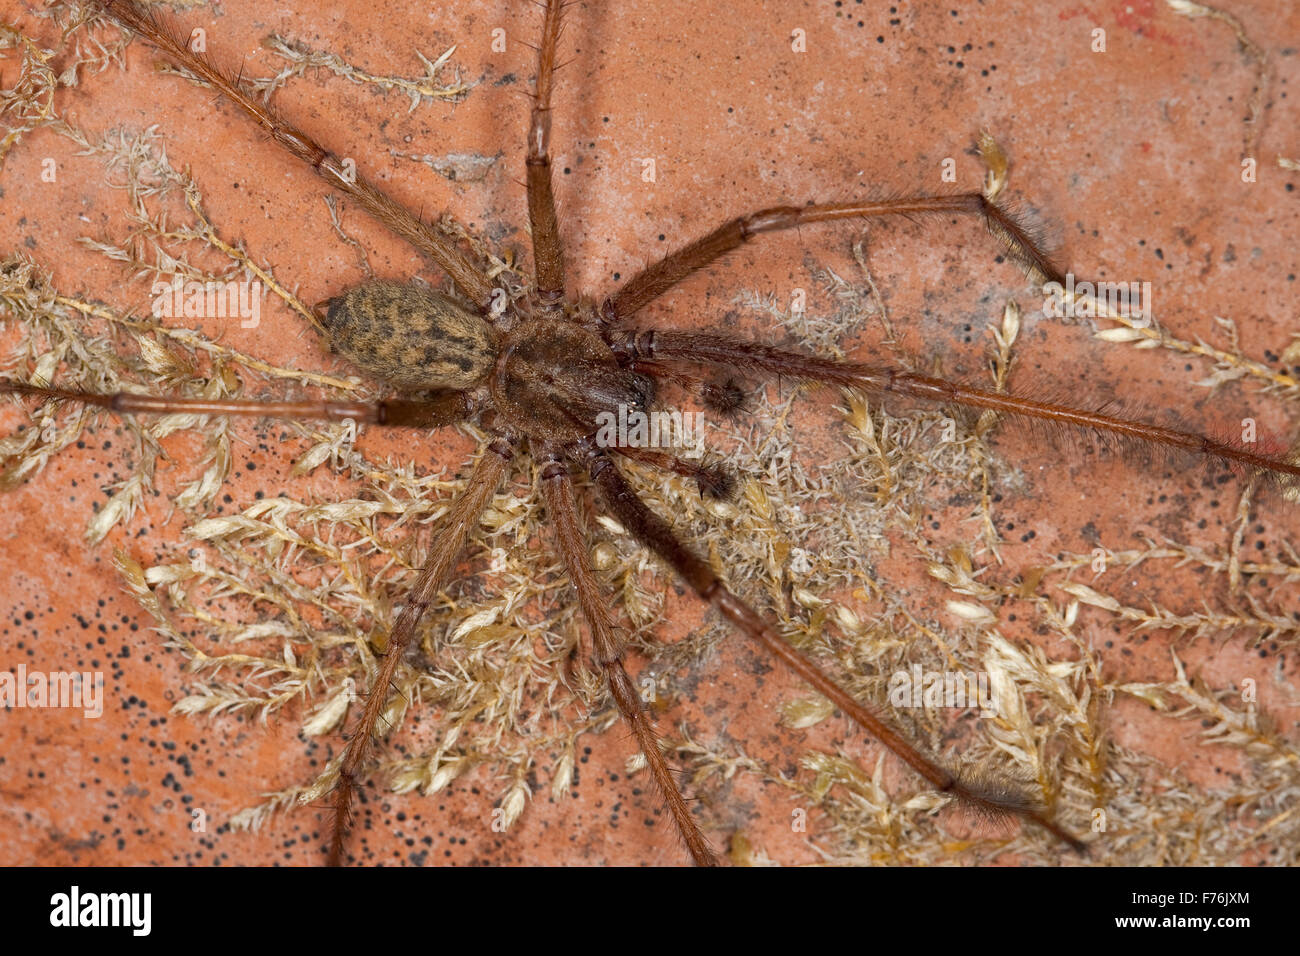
<point x="410" y="336"/>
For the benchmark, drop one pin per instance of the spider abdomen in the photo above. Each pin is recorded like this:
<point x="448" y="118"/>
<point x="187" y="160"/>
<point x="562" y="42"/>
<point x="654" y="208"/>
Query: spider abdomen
<point x="410" y="336"/>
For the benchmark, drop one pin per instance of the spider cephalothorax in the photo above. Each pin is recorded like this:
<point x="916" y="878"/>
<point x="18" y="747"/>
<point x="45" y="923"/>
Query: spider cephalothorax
<point x="554" y="379"/>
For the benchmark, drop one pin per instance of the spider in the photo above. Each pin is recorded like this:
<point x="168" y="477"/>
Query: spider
<point x="634" y="391"/>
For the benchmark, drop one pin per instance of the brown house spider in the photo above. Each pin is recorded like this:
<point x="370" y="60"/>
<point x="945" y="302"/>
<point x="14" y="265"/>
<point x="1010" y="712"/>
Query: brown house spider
<point x="634" y="393"/>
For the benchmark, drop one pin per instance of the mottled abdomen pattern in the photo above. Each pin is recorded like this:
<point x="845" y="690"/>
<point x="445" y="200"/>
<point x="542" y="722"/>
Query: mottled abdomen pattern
<point x="410" y="336"/>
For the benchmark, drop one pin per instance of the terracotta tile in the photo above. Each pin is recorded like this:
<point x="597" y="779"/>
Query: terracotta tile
<point x="1130" y="160"/>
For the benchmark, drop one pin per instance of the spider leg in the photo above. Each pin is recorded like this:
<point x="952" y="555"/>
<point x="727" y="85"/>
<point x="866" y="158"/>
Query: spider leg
<point x="653" y="281"/>
<point x="653" y="532"/>
<point x="438" y="411"/>
<point x="453" y="533"/>
<point x="607" y="649"/>
<point x="711" y="478"/>
<point x="753" y="357"/>
<point x="725" y="396"/>
<point x="548" y="253"/>
<point x="469" y="278"/>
